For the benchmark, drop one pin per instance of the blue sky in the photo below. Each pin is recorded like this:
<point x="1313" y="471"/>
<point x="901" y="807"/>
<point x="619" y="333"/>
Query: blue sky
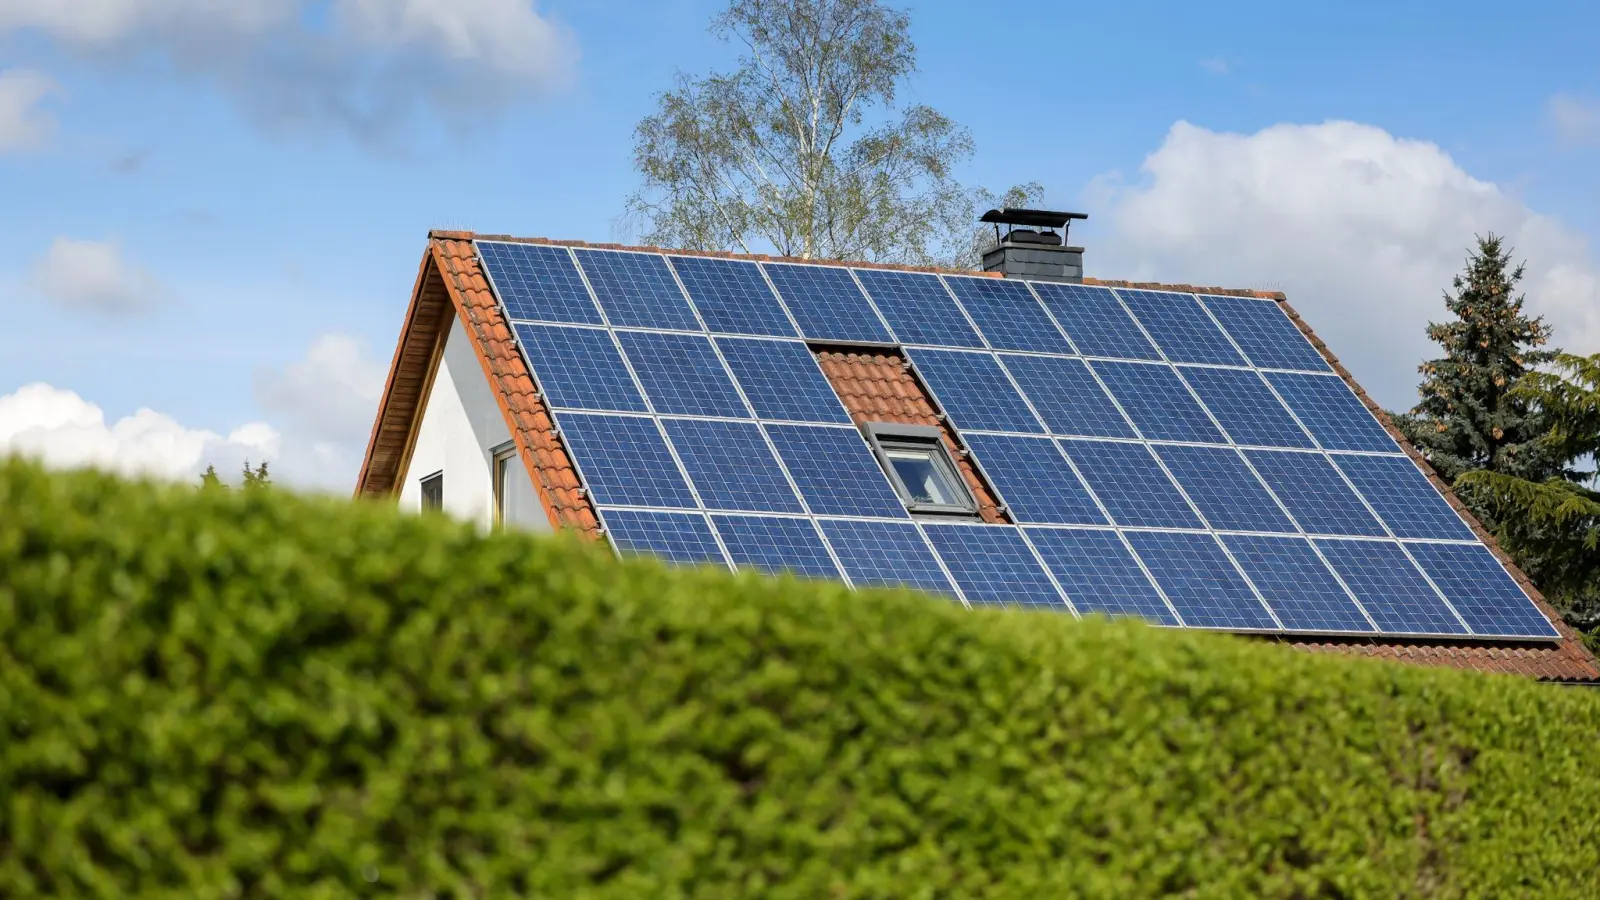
<point x="218" y="218"/>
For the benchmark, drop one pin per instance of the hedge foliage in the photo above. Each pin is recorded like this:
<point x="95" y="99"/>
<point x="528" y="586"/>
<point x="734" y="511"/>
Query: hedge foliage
<point x="250" y="694"/>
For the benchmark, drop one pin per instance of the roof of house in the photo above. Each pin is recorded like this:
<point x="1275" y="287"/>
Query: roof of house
<point x="874" y="385"/>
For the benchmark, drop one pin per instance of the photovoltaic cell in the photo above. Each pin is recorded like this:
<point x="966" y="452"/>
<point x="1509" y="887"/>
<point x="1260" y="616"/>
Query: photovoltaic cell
<point x="918" y="308"/>
<point x="732" y="296"/>
<point x="1096" y="321"/>
<point x="1181" y="327"/>
<point x="1159" y="404"/>
<point x="974" y="391"/>
<point x="538" y="282"/>
<point x="637" y="289"/>
<point x="731" y="466"/>
<point x="994" y="566"/>
<point x="1099" y="574"/>
<point x="1131" y="485"/>
<point x="1008" y="314"/>
<point x="1228" y="493"/>
<point x="827" y="303"/>
<point x="1330" y="410"/>
<point x="1404" y="498"/>
<point x="774" y="545"/>
<point x="885" y="554"/>
<point x="1266" y="334"/>
<point x="1391" y="589"/>
<point x="1482" y="591"/>
<point x="682" y="538"/>
<point x="1296" y="584"/>
<point x="1246" y="407"/>
<point x="1035" y="480"/>
<point x="1200" y="581"/>
<point x="624" y="461"/>
<point x="782" y="380"/>
<point x="1316" y="496"/>
<point x="681" y="374"/>
<point x="836" y="471"/>
<point x="1067" y="396"/>
<point x="579" y="368"/>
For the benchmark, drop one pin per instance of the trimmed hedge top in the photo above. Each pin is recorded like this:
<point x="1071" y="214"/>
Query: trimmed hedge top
<point x="251" y="694"/>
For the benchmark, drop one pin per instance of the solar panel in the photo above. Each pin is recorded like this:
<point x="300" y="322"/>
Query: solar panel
<point x="974" y="391"/>
<point x="1403" y="497"/>
<point x="918" y="308"/>
<point x="1158" y="403"/>
<point x="682" y="538"/>
<point x="637" y="289"/>
<point x="1200" y="581"/>
<point x="773" y="545"/>
<point x="1067" y="396"/>
<point x="1296" y="584"/>
<point x="1316" y="496"/>
<point x="1228" y="493"/>
<point x="782" y="380"/>
<point x="1246" y="407"/>
<point x="1008" y="314"/>
<point x="1096" y="321"/>
<point x="732" y="296"/>
<point x="836" y="472"/>
<point x="1263" y="330"/>
<point x="994" y="566"/>
<point x="681" y="374"/>
<point x="625" y="461"/>
<point x="1181" y="327"/>
<point x="885" y="554"/>
<point x="1331" y="412"/>
<point x="1034" y="479"/>
<point x="731" y="466"/>
<point x="1391" y="589"/>
<point x="1131" y="485"/>
<point x="580" y="368"/>
<point x="1482" y="591"/>
<point x="827" y="303"/>
<point x="1099" y="573"/>
<point x="538" y="283"/>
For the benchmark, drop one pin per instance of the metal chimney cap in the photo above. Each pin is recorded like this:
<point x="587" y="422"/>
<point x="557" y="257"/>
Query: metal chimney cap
<point x="1031" y="218"/>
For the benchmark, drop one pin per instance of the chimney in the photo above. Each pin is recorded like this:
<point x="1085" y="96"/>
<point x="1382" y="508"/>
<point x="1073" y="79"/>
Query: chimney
<point x="1030" y="247"/>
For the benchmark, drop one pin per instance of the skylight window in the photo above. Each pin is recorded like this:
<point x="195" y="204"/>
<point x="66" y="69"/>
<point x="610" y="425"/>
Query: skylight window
<point x="921" y="468"/>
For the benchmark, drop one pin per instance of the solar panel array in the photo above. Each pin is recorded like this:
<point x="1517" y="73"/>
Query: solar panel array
<point x="1187" y="459"/>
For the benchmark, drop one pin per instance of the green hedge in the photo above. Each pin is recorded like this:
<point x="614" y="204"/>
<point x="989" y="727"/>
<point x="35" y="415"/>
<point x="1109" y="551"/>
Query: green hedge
<point x="221" y="693"/>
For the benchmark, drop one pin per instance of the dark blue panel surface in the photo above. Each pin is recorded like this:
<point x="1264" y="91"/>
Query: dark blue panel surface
<point x="538" y="282"/>
<point x="732" y="296"/>
<point x="1228" y="493"/>
<point x="1400" y="493"/>
<point x="1034" y="479"/>
<point x="681" y="374"/>
<point x="994" y="566"/>
<point x="974" y="391"/>
<point x="1316" y="496"/>
<point x="731" y="466"/>
<point x="1096" y="321"/>
<point x="827" y="303"/>
<point x="1131" y="485"/>
<point x="1296" y="584"/>
<point x="1099" y="574"/>
<point x="1067" y="396"/>
<point x="782" y="380"/>
<point x="776" y="545"/>
<point x="637" y="289"/>
<point x="1200" y="581"/>
<point x="1394" y="593"/>
<point x="836" y="471"/>
<point x="1008" y="314"/>
<point x="676" y="537"/>
<point x="1246" y="407"/>
<point x="918" y="308"/>
<point x="1158" y="403"/>
<point x="1181" y="327"/>
<point x="1330" y="410"/>
<point x="624" y="461"/>
<point x="1482" y="591"/>
<point x="885" y="554"/>
<point x="1264" y="331"/>
<point x="579" y="368"/>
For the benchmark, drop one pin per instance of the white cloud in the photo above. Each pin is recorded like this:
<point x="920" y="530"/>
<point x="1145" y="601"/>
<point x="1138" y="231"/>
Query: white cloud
<point x="1575" y="120"/>
<point x="94" y="276"/>
<point x="331" y="395"/>
<point x="1361" y="229"/>
<point x="23" y="125"/>
<point x="1216" y="65"/>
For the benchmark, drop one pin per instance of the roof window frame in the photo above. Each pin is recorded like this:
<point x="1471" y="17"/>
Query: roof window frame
<point x="886" y="437"/>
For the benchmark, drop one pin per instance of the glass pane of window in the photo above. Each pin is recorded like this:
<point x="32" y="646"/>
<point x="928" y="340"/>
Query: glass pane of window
<point x="433" y="492"/>
<point x="927" y="481"/>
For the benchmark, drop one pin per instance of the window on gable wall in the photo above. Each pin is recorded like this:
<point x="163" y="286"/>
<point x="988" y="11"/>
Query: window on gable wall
<point x="920" y="466"/>
<point x="514" y="500"/>
<point x="433" y="492"/>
